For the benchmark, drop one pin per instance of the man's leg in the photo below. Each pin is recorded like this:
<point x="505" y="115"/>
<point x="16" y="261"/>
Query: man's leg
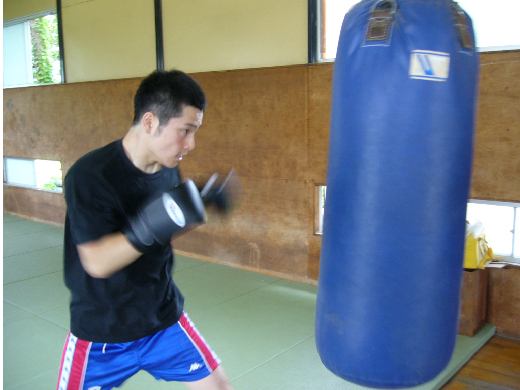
<point x="217" y="380"/>
<point x="181" y="354"/>
<point x="87" y="365"/>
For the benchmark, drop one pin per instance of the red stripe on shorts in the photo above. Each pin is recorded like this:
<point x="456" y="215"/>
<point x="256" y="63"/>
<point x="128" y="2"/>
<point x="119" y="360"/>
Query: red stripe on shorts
<point x="73" y="363"/>
<point x="199" y="342"/>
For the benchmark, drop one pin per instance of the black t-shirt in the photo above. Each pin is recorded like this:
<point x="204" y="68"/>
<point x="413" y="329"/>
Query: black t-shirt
<point x="102" y="189"/>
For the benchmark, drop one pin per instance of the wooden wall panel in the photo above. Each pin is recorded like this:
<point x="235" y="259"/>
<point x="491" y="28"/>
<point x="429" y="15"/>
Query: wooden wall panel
<point x="63" y="122"/>
<point x="38" y="205"/>
<point x="496" y="168"/>
<point x="319" y="102"/>
<point x="255" y="121"/>
<point x="39" y="122"/>
<point x="267" y="230"/>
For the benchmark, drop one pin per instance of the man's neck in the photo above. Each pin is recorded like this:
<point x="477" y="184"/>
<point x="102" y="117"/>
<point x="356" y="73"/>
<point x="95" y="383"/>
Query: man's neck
<point x="137" y="152"/>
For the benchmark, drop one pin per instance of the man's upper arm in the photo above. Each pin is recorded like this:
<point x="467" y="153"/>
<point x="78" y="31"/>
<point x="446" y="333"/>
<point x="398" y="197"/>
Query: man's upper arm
<point x="91" y="206"/>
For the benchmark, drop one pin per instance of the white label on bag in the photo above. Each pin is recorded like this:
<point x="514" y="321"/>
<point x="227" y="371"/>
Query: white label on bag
<point x="429" y="65"/>
<point x="173" y="210"/>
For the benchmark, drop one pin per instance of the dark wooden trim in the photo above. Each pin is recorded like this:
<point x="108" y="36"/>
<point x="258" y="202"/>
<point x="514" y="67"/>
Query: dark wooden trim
<point x="159" y="46"/>
<point x="60" y="41"/>
<point x="313" y="31"/>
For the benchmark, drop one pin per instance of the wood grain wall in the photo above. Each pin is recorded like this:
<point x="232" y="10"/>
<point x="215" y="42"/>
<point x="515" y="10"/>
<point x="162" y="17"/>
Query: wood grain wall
<point x="272" y="125"/>
<point x="496" y="169"/>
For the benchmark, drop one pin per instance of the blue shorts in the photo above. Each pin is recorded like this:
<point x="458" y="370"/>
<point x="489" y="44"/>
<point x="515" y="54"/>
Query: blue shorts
<point x="178" y="353"/>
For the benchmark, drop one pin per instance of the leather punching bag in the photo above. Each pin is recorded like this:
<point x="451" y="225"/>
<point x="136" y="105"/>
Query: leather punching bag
<point x="400" y="155"/>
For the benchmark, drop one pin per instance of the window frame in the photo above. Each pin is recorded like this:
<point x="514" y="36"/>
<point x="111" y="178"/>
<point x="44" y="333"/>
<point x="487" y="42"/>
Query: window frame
<point x="514" y="231"/>
<point x="34" y="176"/>
<point x="54" y="11"/>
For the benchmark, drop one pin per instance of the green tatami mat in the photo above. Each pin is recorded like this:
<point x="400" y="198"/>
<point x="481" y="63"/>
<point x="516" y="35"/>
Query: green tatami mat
<point x="261" y="326"/>
<point x="301" y="368"/>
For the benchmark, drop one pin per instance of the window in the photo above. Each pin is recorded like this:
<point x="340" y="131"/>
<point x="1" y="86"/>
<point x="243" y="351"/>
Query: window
<point x="331" y="17"/>
<point x="31" y="52"/>
<point x="501" y="221"/>
<point x="319" y="205"/>
<point x="40" y="174"/>
<point x="495" y="24"/>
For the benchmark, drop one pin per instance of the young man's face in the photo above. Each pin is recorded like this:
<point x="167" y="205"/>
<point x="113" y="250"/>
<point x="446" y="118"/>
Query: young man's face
<point x="177" y="137"/>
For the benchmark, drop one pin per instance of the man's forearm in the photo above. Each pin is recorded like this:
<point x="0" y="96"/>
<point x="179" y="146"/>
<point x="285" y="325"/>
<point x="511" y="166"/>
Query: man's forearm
<point x="104" y="257"/>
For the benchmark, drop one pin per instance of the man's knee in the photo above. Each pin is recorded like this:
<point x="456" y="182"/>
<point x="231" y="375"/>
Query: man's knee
<point x="217" y="380"/>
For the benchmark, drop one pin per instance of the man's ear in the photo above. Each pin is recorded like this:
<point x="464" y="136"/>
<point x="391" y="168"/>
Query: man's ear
<point x="150" y="122"/>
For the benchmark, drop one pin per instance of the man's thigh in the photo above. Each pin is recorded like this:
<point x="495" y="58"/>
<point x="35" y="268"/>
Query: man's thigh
<point x="87" y="365"/>
<point x="178" y="353"/>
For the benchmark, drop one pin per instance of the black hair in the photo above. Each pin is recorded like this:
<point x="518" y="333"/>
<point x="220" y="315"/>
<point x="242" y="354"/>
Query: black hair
<point x="165" y="93"/>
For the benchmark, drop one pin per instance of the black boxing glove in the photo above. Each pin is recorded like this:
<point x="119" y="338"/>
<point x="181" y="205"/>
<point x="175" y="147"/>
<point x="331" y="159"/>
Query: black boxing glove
<point x="173" y="213"/>
<point x="222" y="192"/>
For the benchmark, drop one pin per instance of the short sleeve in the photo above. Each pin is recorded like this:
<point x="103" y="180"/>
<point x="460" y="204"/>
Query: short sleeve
<point x="92" y="207"/>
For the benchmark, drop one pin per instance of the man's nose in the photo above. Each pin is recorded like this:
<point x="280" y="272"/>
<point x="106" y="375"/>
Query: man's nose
<point x="190" y="143"/>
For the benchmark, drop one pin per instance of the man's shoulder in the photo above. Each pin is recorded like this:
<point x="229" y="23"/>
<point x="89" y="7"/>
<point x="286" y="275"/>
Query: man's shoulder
<point x="95" y="160"/>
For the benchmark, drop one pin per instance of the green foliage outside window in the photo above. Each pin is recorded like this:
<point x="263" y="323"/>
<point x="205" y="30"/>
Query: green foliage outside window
<point x="45" y="49"/>
<point x="54" y="184"/>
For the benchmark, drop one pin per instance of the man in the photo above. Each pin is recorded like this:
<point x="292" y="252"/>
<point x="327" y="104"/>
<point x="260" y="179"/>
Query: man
<point x="126" y="311"/>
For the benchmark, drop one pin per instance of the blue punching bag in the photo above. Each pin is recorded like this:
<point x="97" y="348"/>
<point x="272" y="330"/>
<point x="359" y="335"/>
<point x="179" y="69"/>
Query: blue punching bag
<point x="400" y="155"/>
